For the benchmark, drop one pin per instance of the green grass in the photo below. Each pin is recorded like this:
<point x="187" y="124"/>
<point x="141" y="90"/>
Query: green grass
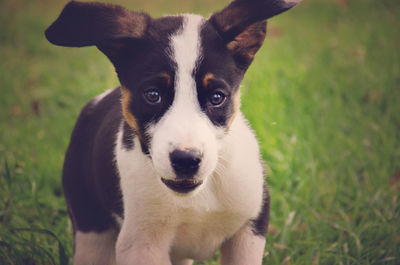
<point x="322" y="95"/>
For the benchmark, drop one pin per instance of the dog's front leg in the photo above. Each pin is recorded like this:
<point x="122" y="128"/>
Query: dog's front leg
<point x="143" y="246"/>
<point x="245" y="247"/>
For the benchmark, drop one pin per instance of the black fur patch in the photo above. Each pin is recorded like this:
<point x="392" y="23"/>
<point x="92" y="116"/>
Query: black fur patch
<point x="90" y="23"/>
<point x="90" y="180"/>
<point x="128" y="137"/>
<point x="240" y="14"/>
<point x="220" y="62"/>
<point x="260" y="225"/>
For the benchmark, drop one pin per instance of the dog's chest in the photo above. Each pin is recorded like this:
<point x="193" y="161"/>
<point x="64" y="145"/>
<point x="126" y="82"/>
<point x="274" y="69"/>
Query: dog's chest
<point x="200" y="235"/>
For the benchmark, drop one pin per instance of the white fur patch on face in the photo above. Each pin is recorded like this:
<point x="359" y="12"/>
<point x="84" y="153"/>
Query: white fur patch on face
<point x="186" y="47"/>
<point x="184" y="126"/>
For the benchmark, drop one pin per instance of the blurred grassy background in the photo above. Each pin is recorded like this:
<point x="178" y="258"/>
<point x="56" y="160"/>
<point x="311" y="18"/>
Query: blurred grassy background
<point x="322" y="95"/>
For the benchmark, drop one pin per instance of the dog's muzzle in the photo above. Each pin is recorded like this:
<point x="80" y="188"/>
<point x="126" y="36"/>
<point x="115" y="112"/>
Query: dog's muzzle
<point x="185" y="164"/>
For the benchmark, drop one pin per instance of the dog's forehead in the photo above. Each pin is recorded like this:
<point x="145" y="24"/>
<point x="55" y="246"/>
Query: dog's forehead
<point x="195" y="47"/>
<point x="169" y="39"/>
<point x="186" y="48"/>
<point x="175" y="43"/>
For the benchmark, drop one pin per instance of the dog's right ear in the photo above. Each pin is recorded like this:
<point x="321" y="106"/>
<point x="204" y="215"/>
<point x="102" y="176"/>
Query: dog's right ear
<point x="92" y="23"/>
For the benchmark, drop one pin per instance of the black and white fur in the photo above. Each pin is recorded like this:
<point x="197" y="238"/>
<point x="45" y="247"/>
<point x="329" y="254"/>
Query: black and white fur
<point x="165" y="169"/>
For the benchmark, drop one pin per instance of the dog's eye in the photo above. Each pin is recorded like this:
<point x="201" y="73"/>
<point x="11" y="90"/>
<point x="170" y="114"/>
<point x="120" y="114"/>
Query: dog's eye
<point x="217" y="98"/>
<point x="152" y="96"/>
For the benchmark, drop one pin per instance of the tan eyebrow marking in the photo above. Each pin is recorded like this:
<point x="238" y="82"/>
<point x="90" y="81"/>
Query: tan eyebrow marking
<point x="207" y="78"/>
<point x="167" y="77"/>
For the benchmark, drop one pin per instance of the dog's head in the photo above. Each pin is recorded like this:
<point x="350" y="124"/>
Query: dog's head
<point x="179" y="75"/>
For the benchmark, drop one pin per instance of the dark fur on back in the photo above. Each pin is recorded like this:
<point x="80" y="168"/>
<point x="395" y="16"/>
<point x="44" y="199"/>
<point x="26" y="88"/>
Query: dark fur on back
<point x="90" y="177"/>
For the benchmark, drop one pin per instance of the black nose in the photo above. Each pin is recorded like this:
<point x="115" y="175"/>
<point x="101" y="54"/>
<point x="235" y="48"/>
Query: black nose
<point x="185" y="163"/>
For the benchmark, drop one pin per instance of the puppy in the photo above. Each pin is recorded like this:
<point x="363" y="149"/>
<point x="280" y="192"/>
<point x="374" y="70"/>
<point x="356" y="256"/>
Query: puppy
<point x="165" y="168"/>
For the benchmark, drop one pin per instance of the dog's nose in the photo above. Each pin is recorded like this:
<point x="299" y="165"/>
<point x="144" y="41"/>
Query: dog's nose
<point x="185" y="162"/>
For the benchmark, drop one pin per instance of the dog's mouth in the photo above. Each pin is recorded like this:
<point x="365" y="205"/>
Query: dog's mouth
<point x="182" y="185"/>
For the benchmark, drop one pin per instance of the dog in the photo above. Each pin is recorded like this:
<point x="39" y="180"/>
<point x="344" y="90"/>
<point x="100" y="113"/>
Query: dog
<point x="165" y="168"/>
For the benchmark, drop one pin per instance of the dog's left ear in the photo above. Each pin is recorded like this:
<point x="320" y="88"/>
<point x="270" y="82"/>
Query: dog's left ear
<point x="242" y="25"/>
